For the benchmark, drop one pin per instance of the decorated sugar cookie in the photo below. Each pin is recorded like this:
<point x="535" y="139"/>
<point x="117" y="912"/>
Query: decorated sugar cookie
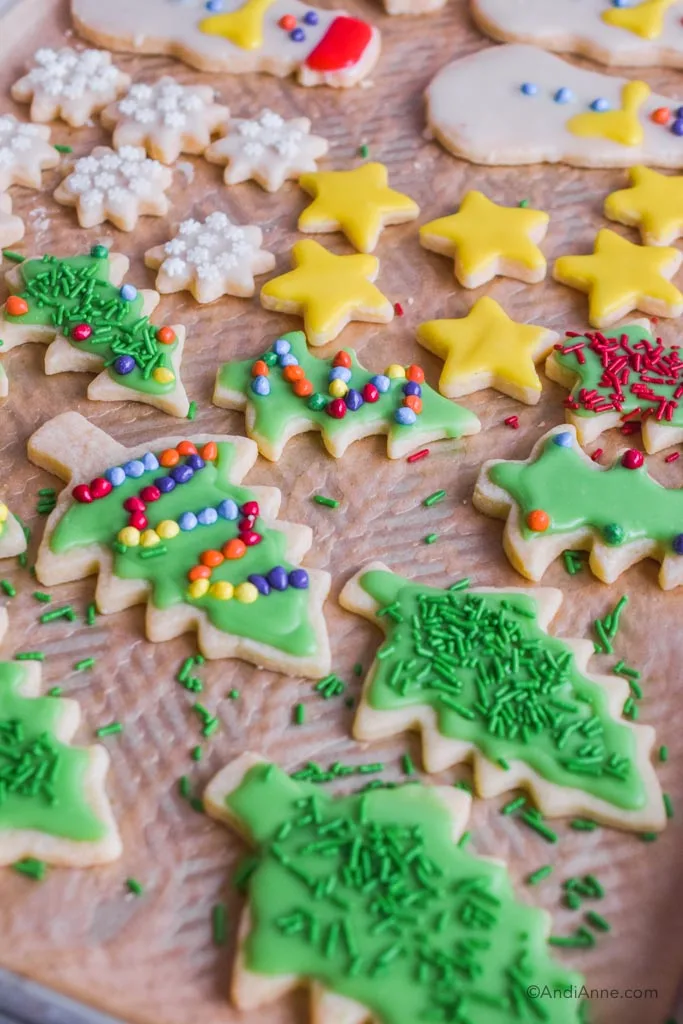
<point x="560" y="500"/>
<point x="653" y="204"/>
<point x="119" y="187"/>
<point x="413" y="6"/>
<point x="53" y="804"/>
<point x="288" y="391"/>
<point x="279" y="37"/>
<point x="485" y="239"/>
<point x="24" y="153"/>
<point x="165" y="118"/>
<point x="69" y="84"/>
<point x="170" y="524"/>
<point x="628" y="376"/>
<point x="357" y="202"/>
<point x="476" y="672"/>
<point x="267" y="149"/>
<point x="92" y="322"/>
<point x="620" y="277"/>
<point x="486" y="349"/>
<point x="12" y="536"/>
<point x="367" y="899"/>
<point x="636" y="33"/>
<point x="328" y="291"/>
<point x="210" y="258"/>
<point x="11" y="226"/>
<point x="516" y="104"/>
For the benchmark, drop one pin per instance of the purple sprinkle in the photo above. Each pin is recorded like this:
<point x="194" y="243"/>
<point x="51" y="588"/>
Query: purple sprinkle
<point x="195" y="462"/>
<point x="297" y="35"/>
<point x="182" y="474"/>
<point x="261" y="584"/>
<point x="411" y="388"/>
<point x="311" y="18"/>
<point x="678" y="544"/>
<point x="677" y="127"/>
<point x="353" y="399"/>
<point x="165" y="484"/>
<point x="277" y="578"/>
<point x="124" y="365"/>
<point x="298" y="578"/>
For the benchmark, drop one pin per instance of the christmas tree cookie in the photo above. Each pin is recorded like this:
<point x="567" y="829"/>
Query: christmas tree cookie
<point x="560" y="500"/>
<point x="628" y="376"/>
<point x="12" y="536"/>
<point x="53" y="804"/>
<point x="172" y="525"/>
<point x="368" y="900"/>
<point x="478" y="674"/>
<point x="78" y="306"/>
<point x="288" y="391"/>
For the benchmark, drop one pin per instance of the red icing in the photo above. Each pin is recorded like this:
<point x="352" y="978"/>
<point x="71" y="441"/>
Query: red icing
<point x="342" y="46"/>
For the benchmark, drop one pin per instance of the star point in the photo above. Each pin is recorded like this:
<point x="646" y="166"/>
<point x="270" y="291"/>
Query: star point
<point x="620" y="276"/>
<point x="487" y="349"/>
<point x="359" y="203"/>
<point x="653" y="203"/>
<point x="487" y="240"/>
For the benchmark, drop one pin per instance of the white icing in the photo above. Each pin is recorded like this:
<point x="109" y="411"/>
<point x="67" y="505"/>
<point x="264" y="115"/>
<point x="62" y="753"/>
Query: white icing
<point x="70" y="74"/>
<point x="270" y="131"/>
<point x="22" y="146"/>
<point x="165" y="103"/>
<point x="216" y="245"/>
<point x="116" y="177"/>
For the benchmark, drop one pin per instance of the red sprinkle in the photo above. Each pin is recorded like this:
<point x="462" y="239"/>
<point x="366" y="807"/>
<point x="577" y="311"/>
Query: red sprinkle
<point x="416" y="456"/>
<point x="138" y="520"/>
<point x="632" y="459"/>
<point x="81" y="492"/>
<point x="134" y="504"/>
<point x="150" y="493"/>
<point x="512" y="421"/>
<point x="398" y="309"/>
<point x="337" y="408"/>
<point x="100" y="487"/>
<point x="673" y="457"/>
<point x="370" y="393"/>
<point x="596" y="454"/>
<point x="250" y="508"/>
<point x="81" y="332"/>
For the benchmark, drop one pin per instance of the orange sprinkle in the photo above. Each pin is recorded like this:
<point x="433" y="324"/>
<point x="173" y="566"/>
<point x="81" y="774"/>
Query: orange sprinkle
<point x="260" y="369"/>
<point x="415" y="373"/>
<point x="166" y="335"/>
<point x="413" y="402"/>
<point x="538" y="520"/>
<point x="302" y="388"/>
<point x="16" y="306"/>
<point x="186" y="448"/>
<point x="342" y="359"/>
<point x="199" y="572"/>
<point x="662" y="115"/>
<point x="210" y="451"/>
<point x="211" y="558"/>
<point x="235" y="548"/>
<point x="169" y="457"/>
<point x="287" y="22"/>
<point x="293" y="373"/>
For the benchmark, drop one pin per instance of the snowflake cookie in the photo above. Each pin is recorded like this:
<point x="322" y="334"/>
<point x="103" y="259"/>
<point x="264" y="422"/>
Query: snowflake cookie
<point x="24" y="153"/>
<point x="170" y="524"/>
<point x="371" y="900"/>
<point x="478" y="674"/>
<point x="210" y="258"/>
<point x="11" y="226"/>
<point x="166" y="118"/>
<point x="115" y="186"/>
<point x="71" y="84"/>
<point x="268" y="149"/>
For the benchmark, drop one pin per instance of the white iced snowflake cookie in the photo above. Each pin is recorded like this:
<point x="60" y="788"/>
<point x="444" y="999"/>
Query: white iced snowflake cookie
<point x="413" y="6"/>
<point x="167" y="118"/>
<point x="71" y="84"/>
<point x="210" y="258"/>
<point x="11" y="226"/>
<point x="118" y="187"/>
<point x="24" y="153"/>
<point x="268" y="149"/>
<point x="638" y="34"/>
<point x="517" y="104"/>
<point x="278" y="37"/>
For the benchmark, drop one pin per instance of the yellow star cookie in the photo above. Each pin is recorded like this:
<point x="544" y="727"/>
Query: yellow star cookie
<point x="653" y="203"/>
<point x="357" y="202"/>
<point x="328" y="291"/>
<point x="487" y="239"/>
<point x="621" y="276"/>
<point x="486" y="349"/>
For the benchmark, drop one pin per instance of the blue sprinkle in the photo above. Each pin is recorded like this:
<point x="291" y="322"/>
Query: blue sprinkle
<point x="124" y="365"/>
<point x="261" y="583"/>
<point x="228" y="509"/>
<point x="621" y="3"/>
<point x="353" y="399"/>
<point x="281" y="347"/>
<point x="529" y="89"/>
<point x="214" y="5"/>
<point x="128" y="292"/>
<point x="311" y="18"/>
<point x="411" y="388"/>
<point x="381" y="382"/>
<point x="405" y="416"/>
<point x="182" y="474"/>
<point x="260" y="386"/>
<point x="150" y="461"/>
<point x="187" y="521"/>
<point x="340" y="373"/>
<point x="195" y="462"/>
<point x="298" y="578"/>
<point x="564" y="439"/>
<point x="134" y="468"/>
<point x="677" y="127"/>
<point x="207" y="516"/>
<point x="677" y="544"/>
<point x="297" y="35"/>
<point x="600" y="105"/>
<point x="288" y="360"/>
<point x="278" y="578"/>
<point x="563" y="95"/>
<point x="679" y="112"/>
<point x="165" y="484"/>
<point x="115" y="476"/>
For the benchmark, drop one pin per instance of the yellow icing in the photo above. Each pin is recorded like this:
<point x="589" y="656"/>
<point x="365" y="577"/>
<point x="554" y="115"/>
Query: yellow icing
<point x="620" y="275"/>
<point x="654" y="203"/>
<point x="243" y="27"/>
<point x="481" y="232"/>
<point x="622" y="126"/>
<point x="357" y="202"/>
<point x="486" y="343"/>
<point x="645" y="20"/>
<point x="327" y="289"/>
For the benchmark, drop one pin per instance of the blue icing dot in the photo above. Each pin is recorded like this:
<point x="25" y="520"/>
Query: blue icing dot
<point x="529" y="88"/>
<point x="228" y="509"/>
<point x="405" y="416"/>
<point x="565" y="439"/>
<point x="287" y="359"/>
<point x="281" y="347"/>
<point x="134" y="468"/>
<point x="116" y="475"/>
<point x="563" y="95"/>
<point x="260" y="386"/>
<point x="600" y="105"/>
<point x="381" y="382"/>
<point x="150" y="461"/>
<point x="128" y="292"/>
<point x="187" y="521"/>
<point x="340" y="373"/>
<point x="207" y="516"/>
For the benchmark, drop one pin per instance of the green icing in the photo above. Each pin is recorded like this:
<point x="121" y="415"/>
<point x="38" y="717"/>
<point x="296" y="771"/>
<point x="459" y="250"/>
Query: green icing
<point x="368" y="895"/>
<point x="497" y="680"/>
<point x="41" y="778"/>
<point x="62" y="293"/>
<point x="280" y="619"/>
<point x="638" y="360"/>
<point x="275" y="412"/>
<point x="624" y="504"/>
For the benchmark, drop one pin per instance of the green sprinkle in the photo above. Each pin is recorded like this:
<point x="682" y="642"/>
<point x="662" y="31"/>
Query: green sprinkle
<point x="158" y="551"/>
<point x="407" y="765"/>
<point x="192" y="411"/>
<point x="598" y="921"/>
<point x="535" y="822"/>
<point x="523" y="203"/>
<point x="119" y="548"/>
<point x="504" y="764"/>
<point x="583" y="825"/>
<point x="90" y="615"/>
<point x="464" y="840"/>
<point x="197" y="805"/>
<point x="434" y="498"/>
<point x="134" y="886"/>
<point x="184" y="787"/>
<point x="32" y="868"/>
<point x="234" y="694"/>
<point x="30" y="656"/>
<point x="581" y="938"/>
<point x="363" y="152"/>
<point x="14" y="257"/>
<point x="86" y="663"/>
<point x="185" y="669"/>
<point x="63" y="149"/>
<point x="663" y="754"/>
<point x="668" y="806"/>
<point x="330" y="686"/>
<point x="514" y="805"/>
<point x="46" y="492"/>
<point x="41" y="596"/>
<point x="218" y="924"/>
<point x="648" y="837"/>
<point x="56" y="691"/>
<point x="431" y="537"/>
<point x="320" y="499"/>
<point x="66" y="612"/>
<point x="461" y="584"/>
<point x="299" y="714"/>
<point x="537" y="876"/>
<point x="109" y="730"/>
<point x="22" y="559"/>
<point x="358" y="669"/>
<point x="210" y="726"/>
<point x="196" y="753"/>
<point x="8" y="588"/>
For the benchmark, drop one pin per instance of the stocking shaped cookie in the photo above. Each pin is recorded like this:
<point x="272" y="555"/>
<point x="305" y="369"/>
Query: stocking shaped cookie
<point x="280" y="37"/>
<point x="516" y="104"/>
<point x="368" y="900"/>
<point x="53" y="805"/>
<point x="476" y="672"/>
<point x="638" y="33"/>
<point x="560" y="500"/>
<point x="170" y="524"/>
<point x="78" y="306"/>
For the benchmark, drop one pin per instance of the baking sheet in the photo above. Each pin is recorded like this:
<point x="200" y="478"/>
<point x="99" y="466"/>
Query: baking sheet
<point x="151" y="960"/>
